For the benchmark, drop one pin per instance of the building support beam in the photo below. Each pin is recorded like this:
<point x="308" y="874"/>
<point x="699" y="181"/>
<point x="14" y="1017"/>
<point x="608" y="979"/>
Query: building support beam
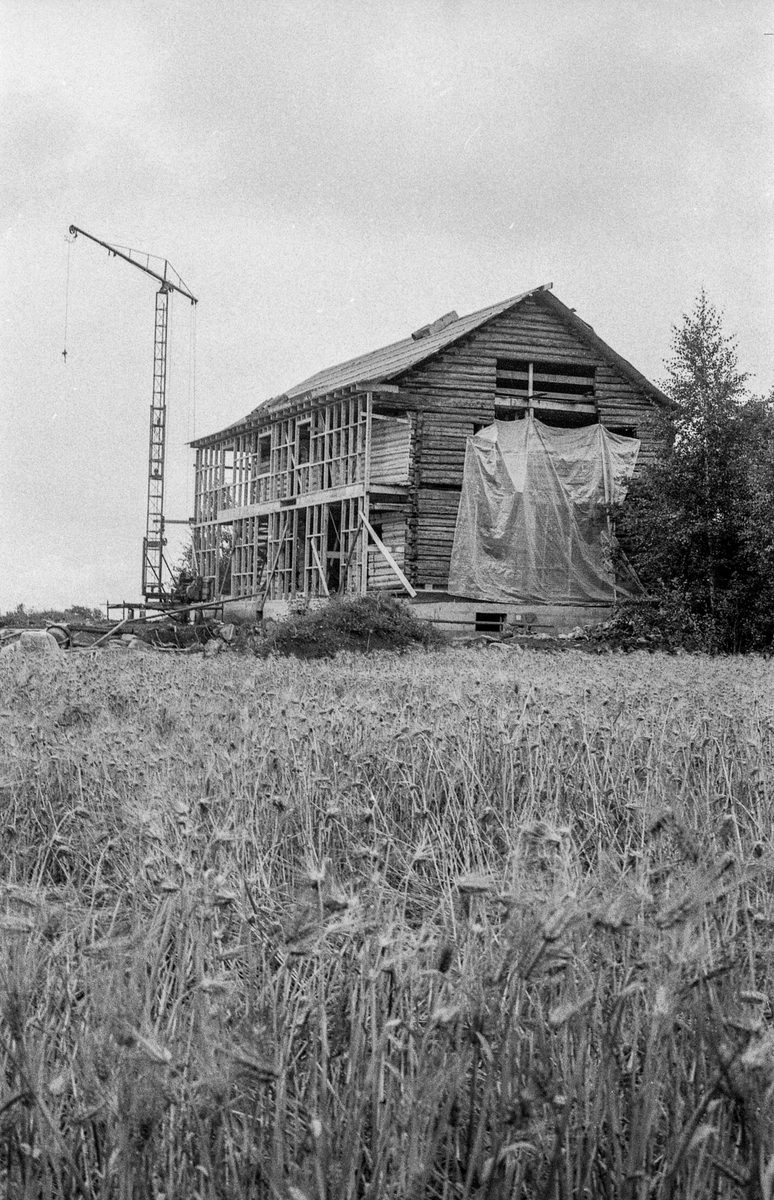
<point x="380" y="546"/>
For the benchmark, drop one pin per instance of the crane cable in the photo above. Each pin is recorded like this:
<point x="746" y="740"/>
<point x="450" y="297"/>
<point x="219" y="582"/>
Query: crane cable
<point x="191" y="430"/>
<point x="168" y="392"/>
<point x="192" y="372"/>
<point x="190" y="485"/>
<point x="69" y="241"/>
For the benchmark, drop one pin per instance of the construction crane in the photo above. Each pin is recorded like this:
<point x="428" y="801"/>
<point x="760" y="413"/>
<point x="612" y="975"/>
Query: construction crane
<point x="154" y="540"/>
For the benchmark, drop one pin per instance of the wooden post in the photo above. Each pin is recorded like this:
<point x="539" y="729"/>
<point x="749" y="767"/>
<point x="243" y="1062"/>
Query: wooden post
<point x="365" y="503"/>
<point x="345" y="571"/>
<point x="221" y="577"/>
<point x="270" y="576"/>
<point x="319" y="568"/>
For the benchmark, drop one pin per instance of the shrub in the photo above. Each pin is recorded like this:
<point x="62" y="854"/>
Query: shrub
<point x="362" y="624"/>
<point x="663" y="622"/>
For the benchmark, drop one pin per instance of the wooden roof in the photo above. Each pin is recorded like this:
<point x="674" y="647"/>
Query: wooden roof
<point x="385" y="364"/>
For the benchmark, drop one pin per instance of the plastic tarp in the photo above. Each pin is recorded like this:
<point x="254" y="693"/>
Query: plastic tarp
<point x="533" y="524"/>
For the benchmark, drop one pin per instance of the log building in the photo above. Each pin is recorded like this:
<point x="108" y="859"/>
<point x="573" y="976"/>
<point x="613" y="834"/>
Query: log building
<point x="350" y="481"/>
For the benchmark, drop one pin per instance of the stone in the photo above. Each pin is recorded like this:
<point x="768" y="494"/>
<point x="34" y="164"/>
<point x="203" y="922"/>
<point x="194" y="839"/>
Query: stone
<point x="38" y="641"/>
<point x="136" y="643"/>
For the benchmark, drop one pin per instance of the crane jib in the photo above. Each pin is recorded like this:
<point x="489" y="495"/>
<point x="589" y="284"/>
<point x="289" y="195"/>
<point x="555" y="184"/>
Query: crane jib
<point x="118" y="253"/>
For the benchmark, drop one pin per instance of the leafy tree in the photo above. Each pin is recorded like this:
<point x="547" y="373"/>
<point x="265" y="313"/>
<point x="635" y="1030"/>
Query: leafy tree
<point x="701" y="519"/>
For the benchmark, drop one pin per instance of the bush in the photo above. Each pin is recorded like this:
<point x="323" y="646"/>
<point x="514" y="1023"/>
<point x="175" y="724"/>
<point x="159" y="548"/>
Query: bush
<point x="363" y="624"/>
<point x="663" y="622"/>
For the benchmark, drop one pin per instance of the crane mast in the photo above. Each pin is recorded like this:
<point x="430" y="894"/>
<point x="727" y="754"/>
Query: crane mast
<point x="154" y="540"/>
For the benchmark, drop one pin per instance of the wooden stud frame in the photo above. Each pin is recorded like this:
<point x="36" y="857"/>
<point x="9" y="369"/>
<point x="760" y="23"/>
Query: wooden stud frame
<point x="312" y="467"/>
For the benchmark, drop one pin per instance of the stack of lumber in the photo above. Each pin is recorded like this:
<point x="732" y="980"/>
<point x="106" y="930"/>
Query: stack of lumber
<point x="433" y="527"/>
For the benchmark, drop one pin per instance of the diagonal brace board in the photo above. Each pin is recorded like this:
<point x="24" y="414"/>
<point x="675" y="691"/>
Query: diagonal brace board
<point x="319" y="566"/>
<point x="380" y="546"/>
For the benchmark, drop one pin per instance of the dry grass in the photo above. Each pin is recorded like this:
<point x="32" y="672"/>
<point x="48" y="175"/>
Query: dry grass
<point x="470" y="924"/>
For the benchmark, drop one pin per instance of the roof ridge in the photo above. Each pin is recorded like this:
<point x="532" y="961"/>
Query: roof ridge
<point x="439" y="340"/>
<point x="384" y="363"/>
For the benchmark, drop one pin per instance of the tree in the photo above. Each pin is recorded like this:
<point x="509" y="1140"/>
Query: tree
<point x="188" y="564"/>
<point x="700" y="519"/>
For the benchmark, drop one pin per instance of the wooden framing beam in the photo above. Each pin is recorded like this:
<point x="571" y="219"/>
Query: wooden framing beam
<point x="319" y="566"/>
<point x="261" y="421"/>
<point x="353" y="547"/>
<point x="387" y="555"/>
<point x="541" y="404"/>
<point x="270" y="576"/>
<point x="325" y="496"/>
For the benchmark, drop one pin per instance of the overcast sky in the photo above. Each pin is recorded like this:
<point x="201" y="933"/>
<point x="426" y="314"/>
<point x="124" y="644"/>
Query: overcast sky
<point x="326" y="176"/>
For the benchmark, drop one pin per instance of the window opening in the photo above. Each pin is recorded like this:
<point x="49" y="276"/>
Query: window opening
<point x="560" y="380"/>
<point x="510" y="414"/>
<point x="304" y="442"/>
<point x="565" y="419"/>
<point x="490" y="622"/>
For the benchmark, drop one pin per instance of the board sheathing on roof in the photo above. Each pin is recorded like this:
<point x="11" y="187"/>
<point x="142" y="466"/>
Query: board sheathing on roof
<point x="390" y="362"/>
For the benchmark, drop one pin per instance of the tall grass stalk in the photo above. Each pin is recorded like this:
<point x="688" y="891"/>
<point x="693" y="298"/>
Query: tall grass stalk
<point x="447" y="925"/>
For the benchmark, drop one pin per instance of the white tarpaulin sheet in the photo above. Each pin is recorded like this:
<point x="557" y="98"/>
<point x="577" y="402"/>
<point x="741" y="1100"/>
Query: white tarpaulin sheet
<point x="532" y="523"/>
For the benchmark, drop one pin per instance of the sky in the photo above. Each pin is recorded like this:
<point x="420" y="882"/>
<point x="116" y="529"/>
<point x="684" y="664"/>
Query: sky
<point x="326" y="176"/>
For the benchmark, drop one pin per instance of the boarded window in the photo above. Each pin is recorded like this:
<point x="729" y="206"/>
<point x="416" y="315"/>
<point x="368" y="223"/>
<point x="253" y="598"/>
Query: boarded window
<point x="557" y="380"/>
<point x="490" y="622"/>
<point x="565" y="418"/>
